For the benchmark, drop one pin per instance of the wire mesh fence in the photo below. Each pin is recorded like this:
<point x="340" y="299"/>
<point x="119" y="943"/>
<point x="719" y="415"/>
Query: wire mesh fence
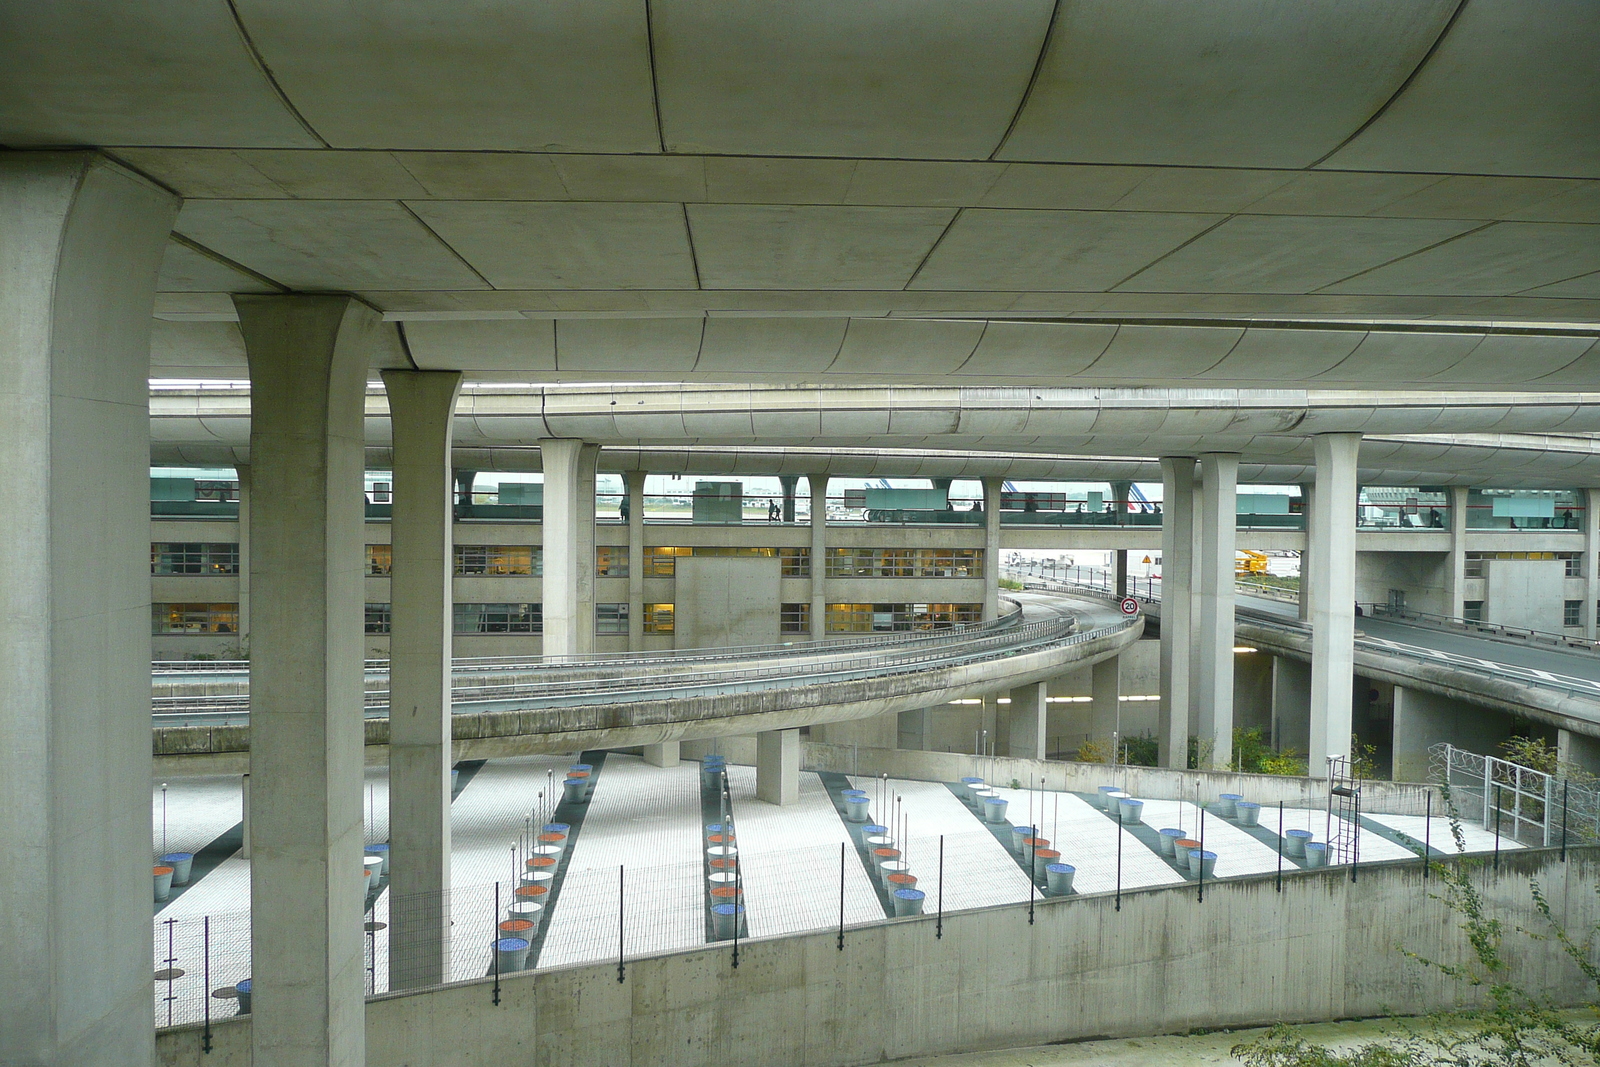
<point x="1526" y="805"/>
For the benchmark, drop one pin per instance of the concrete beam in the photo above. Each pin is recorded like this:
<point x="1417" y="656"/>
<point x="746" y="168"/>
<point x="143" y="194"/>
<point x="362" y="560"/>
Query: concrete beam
<point x="308" y="375"/>
<point x="421" y="405"/>
<point x="662" y="755"/>
<point x="778" y="766"/>
<point x="81" y="242"/>
<point x="819" y="555"/>
<point x="1214" y="626"/>
<point x="1177" y="584"/>
<point x="991" y="548"/>
<point x="634" y="481"/>
<point x="1333" y="582"/>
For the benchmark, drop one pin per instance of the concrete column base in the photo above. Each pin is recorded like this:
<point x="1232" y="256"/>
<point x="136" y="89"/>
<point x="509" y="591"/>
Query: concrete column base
<point x="778" y="766"/>
<point x="662" y="755"/>
<point x="1579" y="750"/>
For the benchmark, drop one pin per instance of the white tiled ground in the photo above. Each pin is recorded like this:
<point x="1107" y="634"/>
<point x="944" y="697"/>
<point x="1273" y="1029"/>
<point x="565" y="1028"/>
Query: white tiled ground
<point x="789" y="858"/>
<point x="647" y="820"/>
<point x="1414" y="826"/>
<point x="978" y="870"/>
<point x="199" y="810"/>
<point x="1087" y="839"/>
<point x="1374" y="846"/>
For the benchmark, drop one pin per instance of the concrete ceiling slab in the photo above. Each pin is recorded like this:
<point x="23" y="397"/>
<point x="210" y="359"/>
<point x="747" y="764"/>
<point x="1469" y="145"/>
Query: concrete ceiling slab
<point x="1585" y="286"/>
<point x="1480" y="196"/>
<point x="919" y="183"/>
<point x="183" y="270"/>
<point x="327" y="244"/>
<point x="649" y="348"/>
<point x="97" y="72"/>
<point x="781" y="346"/>
<point x="480" y="74"/>
<point x="527" y="345"/>
<point x="1339" y="193"/>
<point x="325" y="175"/>
<point x="1505" y="93"/>
<point x="762" y="247"/>
<point x="1308" y="352"/>
<point x="1504" y="258"/>
<point x="486" y="175"/>
<point x="1248" y="82"/>
<point x="176" y="349"/>
<point x="1060" y="250"/>
<point x="1036" y="349"/>
<point x="1405" y="356"/>
<point x="1515" y="360"/>
<point x="1062" y="187"/>
<point x="1579" y="204"/>
<point x="894" y="348"/>
<point x="1288" y="254"/>
<point x="1166" y="352"/>
<point x="567" y="245"/>
<point x="931" y="79"/>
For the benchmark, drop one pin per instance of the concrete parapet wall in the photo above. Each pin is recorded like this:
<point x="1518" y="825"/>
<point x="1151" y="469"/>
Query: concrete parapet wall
<point x="1323" y="949"/>
<point x="1151" y="783"/>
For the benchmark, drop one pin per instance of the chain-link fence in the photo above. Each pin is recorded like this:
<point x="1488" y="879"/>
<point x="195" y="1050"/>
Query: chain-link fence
<point x="1529" y="806"/>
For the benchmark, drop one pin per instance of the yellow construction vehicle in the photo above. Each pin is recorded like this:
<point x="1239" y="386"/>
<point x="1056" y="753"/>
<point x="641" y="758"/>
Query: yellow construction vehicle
<point x="1247" y="562"/>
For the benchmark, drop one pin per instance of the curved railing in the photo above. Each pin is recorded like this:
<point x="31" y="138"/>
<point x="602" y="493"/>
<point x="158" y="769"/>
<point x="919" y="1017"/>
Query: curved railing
<point x="642" y="677"/>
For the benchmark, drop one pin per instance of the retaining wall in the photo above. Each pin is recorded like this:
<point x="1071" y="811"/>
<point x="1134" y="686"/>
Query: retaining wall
<point x="1325" y="948"/>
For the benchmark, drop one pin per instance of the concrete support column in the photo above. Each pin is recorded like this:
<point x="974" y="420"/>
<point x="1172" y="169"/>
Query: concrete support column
<point x="242" y="470"/>
<point x="991" y="548"/>
<point x="81" y="242"/>
<point x="1333" y="584"/>
<point x="308" y="376"/>
<point x="421" y="409"/>
<point x="1025" y="739"/>
<point x="1308" y="497"/>
<point x="1177" y="584"/>
<point x="635" y="487"/>
<point x="819" y="555"/>
<point x="1456" y="574"/>
<point x="1291" y="704"/>
<point x="1591" y="564"/>
<point x="1578" y="750"/>
<point x="1214" y="624"/>
<point x="568" y="546"/>
<point x="244" y="805"/>
<point x="662" y="755"/>
<point x="778" y="766"/>
<point x="1105" y="713"/>
<point x="788" y="481"/>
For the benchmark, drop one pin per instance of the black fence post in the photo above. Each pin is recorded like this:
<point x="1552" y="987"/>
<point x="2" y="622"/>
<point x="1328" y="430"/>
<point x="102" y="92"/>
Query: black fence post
<point x="205" y="1035"/>
<point x="1427" y="839"/>
<point x="1565" y="785"/>
<point x="841" y="896"/>
<point x="1497" y="826"/>
<point x="1355" y="848"/>
<point x="1280" y="846"/>
<point x="938" y="926"/>
<point x="494" y="942"/>
<point x="1202" y="889"/>
<point x="1117" y="829"/>
<point x="622" y="971"/>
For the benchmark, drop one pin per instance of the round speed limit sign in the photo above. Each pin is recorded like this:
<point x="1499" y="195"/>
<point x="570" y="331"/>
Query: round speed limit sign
<point x="1130" y="606"/>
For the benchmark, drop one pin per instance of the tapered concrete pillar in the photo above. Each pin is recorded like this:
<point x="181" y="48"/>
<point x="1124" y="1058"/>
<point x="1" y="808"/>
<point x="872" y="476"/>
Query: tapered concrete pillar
<point x="788" y="482"/>
<point x="635" y="486"/>
<point x="242" y="470"/>
<point x="1578" y="751"/>
<point x="1105" y="712"/>
<point x="991" y="548"/>
<point x="308" y="374"/>
<point x="1591" y="564"/>
<point x="1291" y="704"/>
<point x="778" y="766"/>
<point x="1214" y="626"/>
<point x="244" y="807"/>
<point x="1177" y="572"/>
<point x="819" y="555"/>
<point x="1308" y="496"/>
<point x="568" y="546"/>
<point x="1025" y="738"/>
<point x="1456" y="572"/>
<point x="81" y="241"/>
<point x="662" y="755"/>
<point x="1333" y="584"/>
<point x="421" y="409"/>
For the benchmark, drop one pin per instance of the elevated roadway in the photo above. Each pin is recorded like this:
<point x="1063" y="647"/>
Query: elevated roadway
<point x="517" y="707"/>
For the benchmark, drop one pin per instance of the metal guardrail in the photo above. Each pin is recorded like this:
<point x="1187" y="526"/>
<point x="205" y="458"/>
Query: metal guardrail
<point x="1528" y="805"/>
<point x="647" y="682"/>
<point x="1010" y="619"/>
<point x="1486" y="629"/>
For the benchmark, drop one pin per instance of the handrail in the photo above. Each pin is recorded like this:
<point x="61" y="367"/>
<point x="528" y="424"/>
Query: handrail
<point x="629" y="686"/>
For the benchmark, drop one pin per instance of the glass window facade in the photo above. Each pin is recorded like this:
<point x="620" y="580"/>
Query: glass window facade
<point x="194" y="618"/>
<point x="885" y="618"/>
<point x="380" y="561"/>
<point x="194" y="557"/>
<point x="611" y="618"/>
<point x="661" y="561"/>
<point x="377" y="618"/>
<point x="499" y="559"/>
<point x="611" y="561"/>
<point x="499" y="618"/>
<point x="658" y="618"/>
<point x="794" y="619"/>
<point x="905" y="563"/>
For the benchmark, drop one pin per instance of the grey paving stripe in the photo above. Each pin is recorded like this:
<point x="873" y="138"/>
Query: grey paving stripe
<point x="206" y="861"/>
<point x="836" y="784"/>
<point x="1002" y="834"/>
<point x="571" y="813"/>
